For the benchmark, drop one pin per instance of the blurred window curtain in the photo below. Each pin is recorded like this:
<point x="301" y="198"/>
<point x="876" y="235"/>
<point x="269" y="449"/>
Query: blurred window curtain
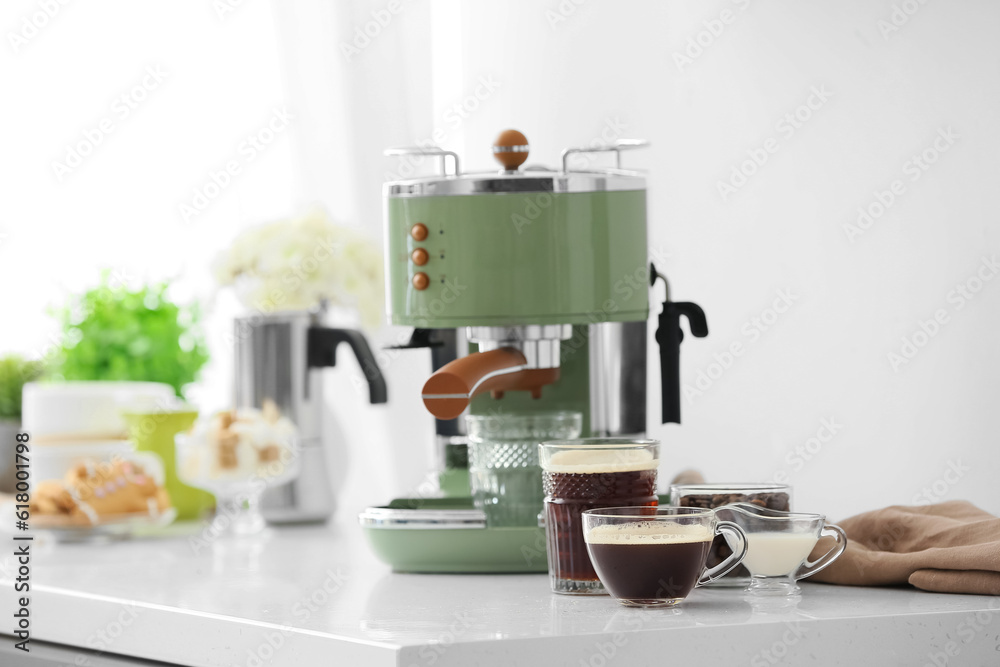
<point x="358" y="75"/>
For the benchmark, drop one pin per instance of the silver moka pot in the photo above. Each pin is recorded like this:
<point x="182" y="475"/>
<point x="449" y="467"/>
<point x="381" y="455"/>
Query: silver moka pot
<point x="280" y="357"/>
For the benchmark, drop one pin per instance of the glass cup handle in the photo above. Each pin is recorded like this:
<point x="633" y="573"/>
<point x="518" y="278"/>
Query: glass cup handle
<point x="730" y="564"/>
<point x="809" y="568"/>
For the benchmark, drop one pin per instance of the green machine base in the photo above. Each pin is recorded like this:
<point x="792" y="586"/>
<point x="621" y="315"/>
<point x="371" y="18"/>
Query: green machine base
<point x="448" y="535"/>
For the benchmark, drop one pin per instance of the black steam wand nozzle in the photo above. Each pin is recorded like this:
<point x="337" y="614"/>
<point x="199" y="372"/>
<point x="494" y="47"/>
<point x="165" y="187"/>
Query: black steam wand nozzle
<point x="669" y="336"/>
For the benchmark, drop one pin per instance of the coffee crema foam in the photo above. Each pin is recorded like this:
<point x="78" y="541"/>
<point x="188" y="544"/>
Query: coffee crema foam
<point x="647" y="532"/>
<point x="582" y="462"/>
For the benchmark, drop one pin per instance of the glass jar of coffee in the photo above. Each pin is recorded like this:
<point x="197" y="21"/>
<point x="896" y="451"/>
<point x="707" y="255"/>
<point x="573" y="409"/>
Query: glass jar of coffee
<point x="709" y="496"/>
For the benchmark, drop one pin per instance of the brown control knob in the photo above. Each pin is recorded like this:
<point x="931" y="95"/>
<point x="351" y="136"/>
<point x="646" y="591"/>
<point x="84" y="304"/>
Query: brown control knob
<point x="419" y="232"/>
<point x="421" y="281"/>
<point x="419" y="256"/>
<point x="510" y="149"/>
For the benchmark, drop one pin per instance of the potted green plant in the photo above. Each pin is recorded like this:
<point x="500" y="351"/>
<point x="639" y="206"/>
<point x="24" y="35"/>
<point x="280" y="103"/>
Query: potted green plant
<point x="15" y="372"/>
<point x="116" y="333"/>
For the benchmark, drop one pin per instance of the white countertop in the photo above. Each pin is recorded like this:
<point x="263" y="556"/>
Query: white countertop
<point x="316" y="596"/>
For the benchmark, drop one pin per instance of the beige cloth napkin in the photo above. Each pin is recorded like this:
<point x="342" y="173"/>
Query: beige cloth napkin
<point x="951" y="547"/>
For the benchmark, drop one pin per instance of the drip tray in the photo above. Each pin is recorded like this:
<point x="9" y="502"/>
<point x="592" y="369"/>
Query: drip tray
<point x="449" y="535"/>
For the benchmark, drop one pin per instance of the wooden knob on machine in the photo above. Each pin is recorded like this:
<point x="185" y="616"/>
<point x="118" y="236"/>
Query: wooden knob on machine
<point x="419" y="231"/>
<point x="510" y="149"/>
<point x="420" y="256"/>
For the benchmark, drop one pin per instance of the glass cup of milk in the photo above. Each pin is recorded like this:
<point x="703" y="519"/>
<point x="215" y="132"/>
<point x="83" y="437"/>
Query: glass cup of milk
<point x="779" y="545"/>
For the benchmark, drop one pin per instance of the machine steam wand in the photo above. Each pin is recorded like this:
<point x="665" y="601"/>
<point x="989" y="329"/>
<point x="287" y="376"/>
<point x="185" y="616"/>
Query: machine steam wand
<point x="669" y="336"/>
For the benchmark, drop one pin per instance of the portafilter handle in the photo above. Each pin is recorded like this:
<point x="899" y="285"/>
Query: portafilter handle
<point x="453" y="386"/>
<point x="321" y="352"/>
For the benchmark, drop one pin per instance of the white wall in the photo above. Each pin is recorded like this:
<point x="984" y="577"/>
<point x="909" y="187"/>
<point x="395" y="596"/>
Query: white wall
<point x="825" y="360"/>
<point x="900" y="430"/>
<point x="562" y="83"/>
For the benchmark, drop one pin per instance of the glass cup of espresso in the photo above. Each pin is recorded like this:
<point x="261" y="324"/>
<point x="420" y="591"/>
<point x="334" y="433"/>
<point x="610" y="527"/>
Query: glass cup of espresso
<point x="586" y="474"/>
<point x="655" y="556"/>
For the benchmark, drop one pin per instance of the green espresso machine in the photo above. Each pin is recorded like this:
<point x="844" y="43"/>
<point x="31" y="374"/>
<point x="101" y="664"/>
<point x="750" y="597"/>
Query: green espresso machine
<point x="531" y="288"/>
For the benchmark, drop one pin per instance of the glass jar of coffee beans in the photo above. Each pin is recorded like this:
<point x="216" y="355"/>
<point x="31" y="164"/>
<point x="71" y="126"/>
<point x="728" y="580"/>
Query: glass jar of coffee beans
<point x="710" y="496"/>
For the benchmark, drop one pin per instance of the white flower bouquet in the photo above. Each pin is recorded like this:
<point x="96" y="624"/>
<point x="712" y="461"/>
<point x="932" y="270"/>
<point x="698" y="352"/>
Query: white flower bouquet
<point x="304" y="263"/>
